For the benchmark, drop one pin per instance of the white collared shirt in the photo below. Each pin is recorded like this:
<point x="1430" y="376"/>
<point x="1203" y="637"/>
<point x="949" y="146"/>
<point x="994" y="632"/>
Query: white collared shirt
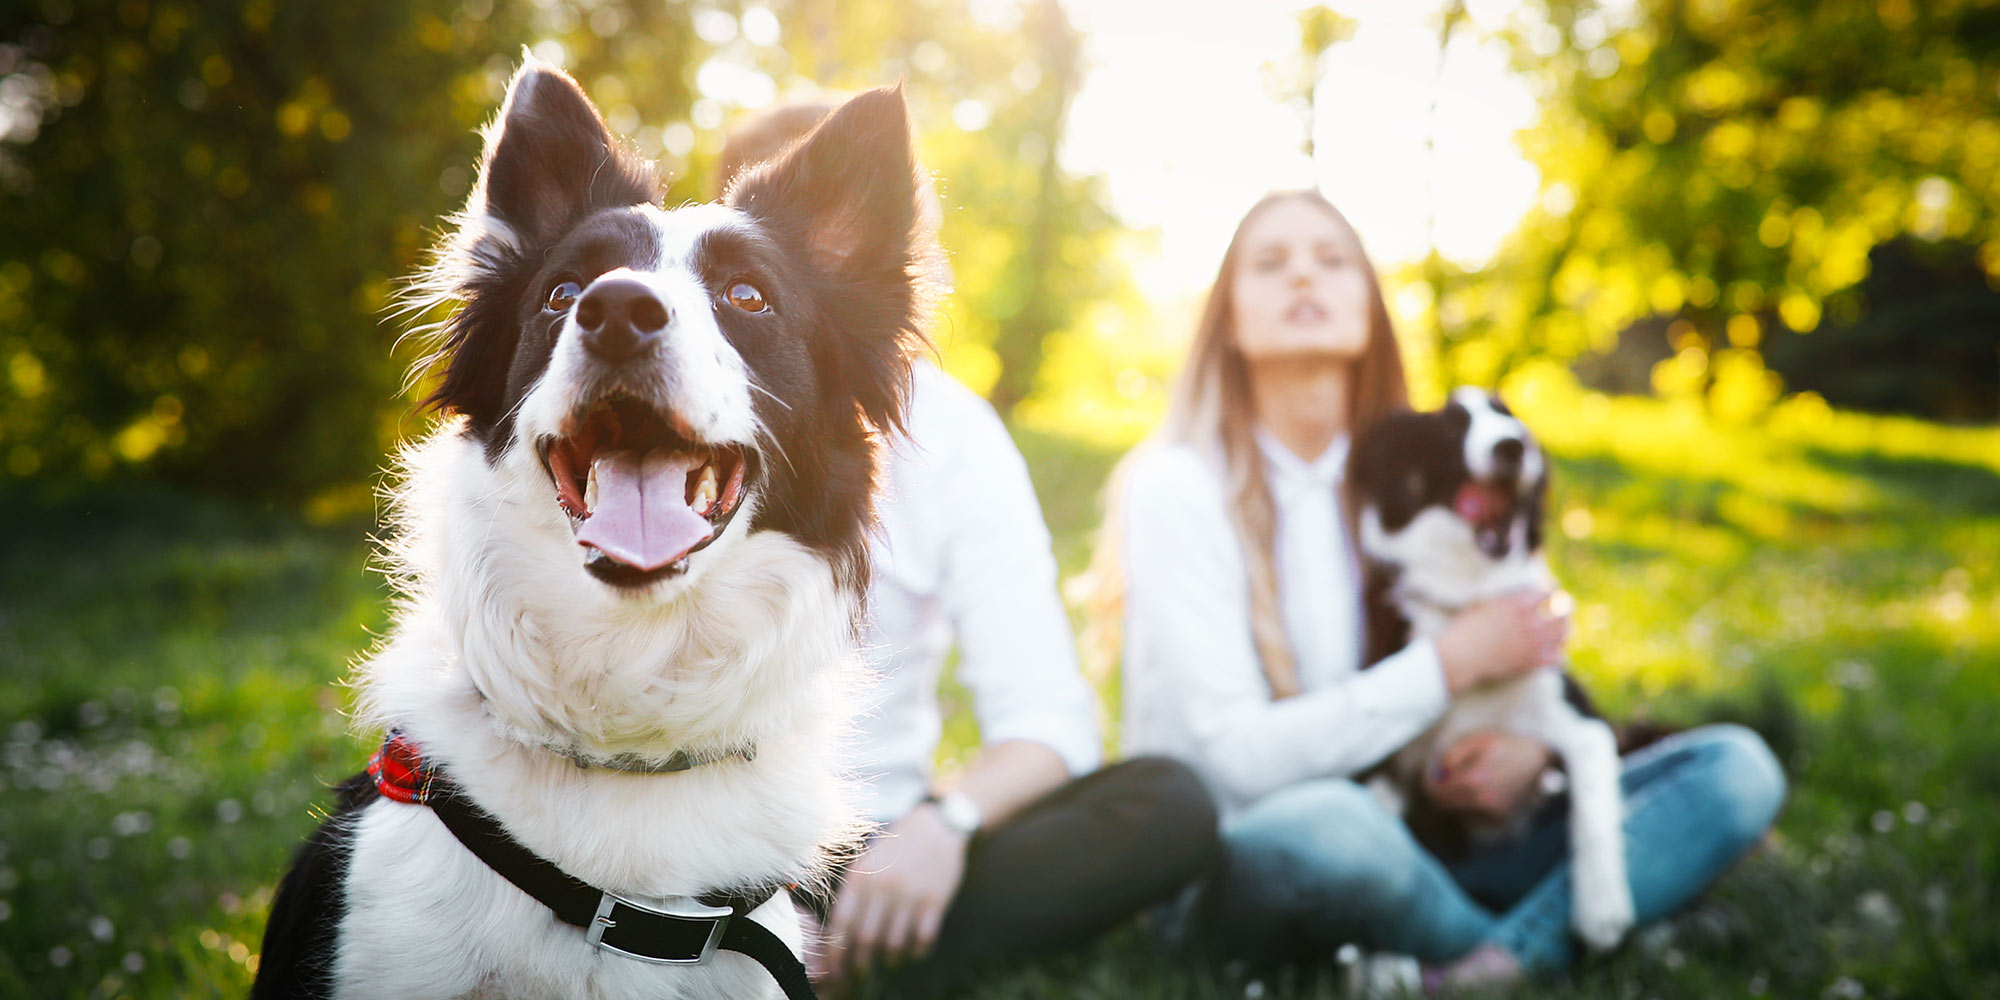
<point x="1193" y="685"/>
<point x="963" y="555"/>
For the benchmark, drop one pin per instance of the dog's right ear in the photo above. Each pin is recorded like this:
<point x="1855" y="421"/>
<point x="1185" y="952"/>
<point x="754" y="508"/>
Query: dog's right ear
<point x="550" y="159"/>
<point x="848" y="197"/>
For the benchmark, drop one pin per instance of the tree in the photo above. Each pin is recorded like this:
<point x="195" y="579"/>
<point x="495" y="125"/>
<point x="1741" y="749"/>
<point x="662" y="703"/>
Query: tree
<point x="1729" y="167"/>
<point x="205" y="207"/>
<point x="989" y="90"/>
<point x="202" y="208"/>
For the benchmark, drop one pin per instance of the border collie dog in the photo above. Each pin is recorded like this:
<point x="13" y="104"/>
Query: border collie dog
<point x="1451" y="508"/>
<point x="630" y="568"/>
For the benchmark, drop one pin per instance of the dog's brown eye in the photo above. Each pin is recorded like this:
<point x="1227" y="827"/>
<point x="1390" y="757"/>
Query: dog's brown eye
<point x="745" y="296"/>
<point x="562" y="296"/>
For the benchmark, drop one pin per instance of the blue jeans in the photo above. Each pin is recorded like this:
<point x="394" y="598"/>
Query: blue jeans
<point x="1321" y="863"/>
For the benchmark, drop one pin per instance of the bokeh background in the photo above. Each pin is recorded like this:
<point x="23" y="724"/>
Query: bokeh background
<point x="1734" y="260"/>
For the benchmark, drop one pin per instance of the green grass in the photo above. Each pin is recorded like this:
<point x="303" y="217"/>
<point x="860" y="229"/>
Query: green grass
<point x="170" y="708"/>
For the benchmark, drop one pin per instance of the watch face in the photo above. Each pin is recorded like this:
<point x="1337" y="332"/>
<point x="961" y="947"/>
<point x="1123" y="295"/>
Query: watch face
<point x="959" y="813"/>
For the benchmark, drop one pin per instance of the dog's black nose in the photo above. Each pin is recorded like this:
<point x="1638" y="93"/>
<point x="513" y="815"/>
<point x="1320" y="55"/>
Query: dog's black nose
<point x="620" y="317"/>
<point x="1507" y="455"/>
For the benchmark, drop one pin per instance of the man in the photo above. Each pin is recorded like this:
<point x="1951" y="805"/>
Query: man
<point x="1032" y="848"/>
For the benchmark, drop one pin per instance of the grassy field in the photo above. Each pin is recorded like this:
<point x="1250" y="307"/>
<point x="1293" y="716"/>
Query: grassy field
<point x="170" y="708"/>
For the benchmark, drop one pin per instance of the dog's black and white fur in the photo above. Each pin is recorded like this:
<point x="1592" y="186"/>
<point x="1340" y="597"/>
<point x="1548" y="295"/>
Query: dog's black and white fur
<point x="643" y="534"/>
<point x="1450" y="514"/>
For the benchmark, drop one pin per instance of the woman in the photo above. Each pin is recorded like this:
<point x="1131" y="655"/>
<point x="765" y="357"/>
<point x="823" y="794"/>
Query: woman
<point x="1242" y="640"/>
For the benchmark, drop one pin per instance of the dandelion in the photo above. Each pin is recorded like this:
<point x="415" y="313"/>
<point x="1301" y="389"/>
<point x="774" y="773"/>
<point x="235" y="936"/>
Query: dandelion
<point x="1915" y="813"/>
<point x="1657" y="939"/>
<point x="179" y="848"/>
<point x="92" y="714"/>
<point x="97" y="848"/>
<point x="9" y="879"/>
<point x="1253" y="990"/>
<point x="133" y="823"/>
<point x="1876" y="908"/>
<point x="166" y="704"/>
<point x="228" y="810"/>
<point x="1883" y="821"/>
<point x="6" y="911"/>
<point x="60" y="956"/>
<point x="1854" y="675"/>
<point x="133" y="962"/>
<point x="1846" y="988"/>
<point x="101" y="927"/>
<point x="1760" y="984"/>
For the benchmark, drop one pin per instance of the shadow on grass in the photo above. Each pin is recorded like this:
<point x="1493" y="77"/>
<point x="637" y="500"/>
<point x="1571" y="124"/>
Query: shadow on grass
<point x="1920" y="483"/>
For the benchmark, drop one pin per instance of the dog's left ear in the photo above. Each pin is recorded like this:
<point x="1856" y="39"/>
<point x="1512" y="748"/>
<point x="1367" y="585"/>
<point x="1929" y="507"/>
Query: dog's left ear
<point x="848" y="196"/>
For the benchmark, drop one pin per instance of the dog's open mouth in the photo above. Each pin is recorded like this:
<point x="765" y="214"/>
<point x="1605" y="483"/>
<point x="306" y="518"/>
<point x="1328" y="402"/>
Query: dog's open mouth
<point x="641" y="494"/>
<point x="1489" y="508"/>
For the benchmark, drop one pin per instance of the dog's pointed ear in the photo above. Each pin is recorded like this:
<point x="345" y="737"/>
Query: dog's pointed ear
<point x="550" y="158"/>
<point x="853" y="178"/>
<point x="848" y="197"/>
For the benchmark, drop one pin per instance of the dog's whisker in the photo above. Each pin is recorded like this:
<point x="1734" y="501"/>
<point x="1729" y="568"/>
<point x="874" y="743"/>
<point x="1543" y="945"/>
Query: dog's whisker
<point x="773" y="397"/>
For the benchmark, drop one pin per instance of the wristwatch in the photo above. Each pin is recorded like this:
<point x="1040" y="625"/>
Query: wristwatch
<point x="960" y="814"/>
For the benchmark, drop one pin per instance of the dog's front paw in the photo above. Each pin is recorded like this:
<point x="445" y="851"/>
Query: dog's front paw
<point x="1602" y="915"/>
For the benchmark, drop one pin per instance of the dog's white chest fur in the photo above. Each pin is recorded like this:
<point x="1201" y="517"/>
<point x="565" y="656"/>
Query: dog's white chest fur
<point x="490" y="659"/>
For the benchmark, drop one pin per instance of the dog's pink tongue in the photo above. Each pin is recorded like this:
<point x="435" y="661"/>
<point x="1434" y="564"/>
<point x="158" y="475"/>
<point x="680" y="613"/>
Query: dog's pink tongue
<point x="642" y="518"/>
<point x="1478" y="502"/>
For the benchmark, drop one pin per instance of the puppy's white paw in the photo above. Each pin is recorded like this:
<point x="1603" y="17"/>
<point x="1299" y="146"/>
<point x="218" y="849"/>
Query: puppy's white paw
<point x="1601" y="914"/>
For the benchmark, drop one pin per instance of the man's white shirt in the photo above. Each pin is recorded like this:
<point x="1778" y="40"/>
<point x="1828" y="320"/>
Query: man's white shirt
<point x="962" y="557"/>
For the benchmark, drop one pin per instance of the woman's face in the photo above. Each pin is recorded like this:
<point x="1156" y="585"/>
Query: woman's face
<point x="1300" y="288"/>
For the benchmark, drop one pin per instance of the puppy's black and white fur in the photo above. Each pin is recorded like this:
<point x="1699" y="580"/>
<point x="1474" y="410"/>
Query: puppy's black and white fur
<point x="1450" y="514"/>
<point x="642" y="535"/>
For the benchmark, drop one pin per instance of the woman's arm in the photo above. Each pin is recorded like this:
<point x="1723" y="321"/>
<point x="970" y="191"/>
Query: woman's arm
<point x="1194" y="686"/>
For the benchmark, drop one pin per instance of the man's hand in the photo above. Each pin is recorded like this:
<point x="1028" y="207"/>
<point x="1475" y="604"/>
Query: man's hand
<point x="1489" y="774"/>
<point x="895" y="896"/>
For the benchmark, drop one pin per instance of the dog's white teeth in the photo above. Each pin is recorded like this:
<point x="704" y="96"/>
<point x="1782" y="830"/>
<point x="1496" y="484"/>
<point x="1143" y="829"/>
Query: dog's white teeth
<point x="590" y="489"/>
<point x="705" y="492"/>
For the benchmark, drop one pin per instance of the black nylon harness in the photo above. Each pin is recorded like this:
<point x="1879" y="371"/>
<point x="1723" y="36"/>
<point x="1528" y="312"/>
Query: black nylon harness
<point x="685" y="931"/>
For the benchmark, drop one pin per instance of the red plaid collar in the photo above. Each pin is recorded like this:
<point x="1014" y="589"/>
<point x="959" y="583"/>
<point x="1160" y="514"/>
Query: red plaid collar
<point x="400" y="771"/>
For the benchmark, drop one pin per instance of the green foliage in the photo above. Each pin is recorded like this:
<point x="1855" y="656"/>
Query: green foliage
<point x="201" y="228"/>
<point x="1928" y="342"/>
<point x="1031" y="246"/>
<point x="172" y="717"/>
<point x="204" y="208"/>
<point x="1729" y="165"/>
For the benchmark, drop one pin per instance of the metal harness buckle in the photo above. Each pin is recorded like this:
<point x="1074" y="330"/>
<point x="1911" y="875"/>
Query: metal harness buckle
<point x="632" y="926"/>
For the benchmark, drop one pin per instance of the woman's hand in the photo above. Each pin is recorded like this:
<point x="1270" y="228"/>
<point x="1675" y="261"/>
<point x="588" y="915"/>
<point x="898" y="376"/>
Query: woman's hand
<point x="1501" y="639"/>
<point x="1490" y="774"/>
